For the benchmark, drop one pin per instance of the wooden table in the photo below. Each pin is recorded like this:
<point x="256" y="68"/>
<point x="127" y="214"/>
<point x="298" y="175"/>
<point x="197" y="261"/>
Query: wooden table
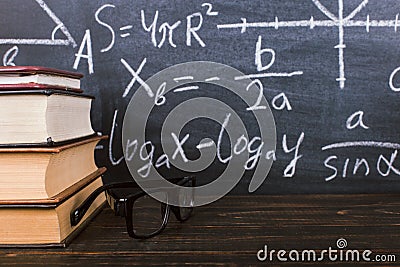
<point x="231" y="232"/>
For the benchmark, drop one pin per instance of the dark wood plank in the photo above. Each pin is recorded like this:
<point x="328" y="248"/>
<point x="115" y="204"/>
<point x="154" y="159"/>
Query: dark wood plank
<point x="232" y="230"/>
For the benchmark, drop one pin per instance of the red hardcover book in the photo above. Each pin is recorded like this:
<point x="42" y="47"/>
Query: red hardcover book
<point x="23" y="75"/>
<point x="35" y="86"/>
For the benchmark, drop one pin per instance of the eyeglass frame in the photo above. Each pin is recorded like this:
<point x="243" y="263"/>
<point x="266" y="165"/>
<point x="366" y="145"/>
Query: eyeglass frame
<point x="127" y="203"/>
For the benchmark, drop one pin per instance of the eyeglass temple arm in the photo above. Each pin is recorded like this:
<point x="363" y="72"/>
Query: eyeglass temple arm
<point x="77" y="214"/>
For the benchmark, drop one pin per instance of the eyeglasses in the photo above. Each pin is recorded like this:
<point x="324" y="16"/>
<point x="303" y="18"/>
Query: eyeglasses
<point x="145" y="216"/>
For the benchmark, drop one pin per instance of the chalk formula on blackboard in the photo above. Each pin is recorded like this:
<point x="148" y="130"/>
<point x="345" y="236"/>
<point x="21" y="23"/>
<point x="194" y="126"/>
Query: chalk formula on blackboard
<point x="328" y="70"/>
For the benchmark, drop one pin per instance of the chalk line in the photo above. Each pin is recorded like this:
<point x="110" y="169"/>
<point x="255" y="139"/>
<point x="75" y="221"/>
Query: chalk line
<point x="204" y="145"/>
<point x="187" y="88"/>
<point x="362" y="144"/>
<point x="57" y="21"/>
<point x="183" y="78"/>
<point x="340" y="22"/>
<point x="135" y="75"/>
<point x="128" y="27"/>
<point x="270" y="74"/>
<point x="212" y="79"/>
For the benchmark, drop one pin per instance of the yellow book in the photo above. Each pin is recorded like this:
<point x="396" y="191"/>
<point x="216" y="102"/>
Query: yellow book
<point x="46" y="222"/>
<point x="43" y="172"/>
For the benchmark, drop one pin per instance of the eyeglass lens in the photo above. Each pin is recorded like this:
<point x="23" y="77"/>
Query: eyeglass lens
<point x="148" y="215"/>
<point x="186" y="201"/>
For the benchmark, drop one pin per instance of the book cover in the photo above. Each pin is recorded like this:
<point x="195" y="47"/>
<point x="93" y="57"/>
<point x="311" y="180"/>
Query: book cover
<point x="47" y="170"/>
<point x="33" y="70"/>
<point x="36" y="86"/>
<point x="46" y="222"/>
<point x="40" y="75"/>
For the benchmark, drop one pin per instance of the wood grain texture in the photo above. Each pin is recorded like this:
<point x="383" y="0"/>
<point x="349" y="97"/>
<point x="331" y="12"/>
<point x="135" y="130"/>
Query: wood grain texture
<point x="232" y="230"/>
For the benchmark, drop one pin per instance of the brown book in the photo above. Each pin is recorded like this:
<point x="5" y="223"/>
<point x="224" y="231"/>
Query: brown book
<point x="43" y="117"/>
<point x="46" y="222"/>
<point x="43" y="172"/>
<point x="39" y="75"/>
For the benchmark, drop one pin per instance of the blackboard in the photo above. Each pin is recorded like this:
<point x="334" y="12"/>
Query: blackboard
<point x="328" y="69"/>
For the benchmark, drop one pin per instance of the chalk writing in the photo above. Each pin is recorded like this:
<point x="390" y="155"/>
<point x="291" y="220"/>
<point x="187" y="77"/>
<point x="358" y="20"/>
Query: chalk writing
<point x="284" y="104"/>
<point x="113" y="161"/>
<point x="359" y="121"/>
<point x="179" y="149"/>
<point x="86" y="43"/>
<point x="254" y="146"/>
<point x="10" y="55"/>
<point x="160" y="98"/>
<point x="186" y="88"/>
<point x="339" y="21"/>
<point x="125" y="28"/>
<point x="291" y="167"/>
<point x="167" y="29"/>
<point x="257" y="105"/>
<point x="383" y="166"/>
<point x="135" y="77"/>
<point x="124" y="43"/>
<point x="183" y="78"/>
<point x="212" y="79"/>
<point x="210" y="11"/>
<point x="110" y="29"/>
<point x="381" y="160"/>
<point x="51" y="41"/>
<point x="391" y="83"/>
<point x="362" y="144"/>
<point x="260" y="67"/>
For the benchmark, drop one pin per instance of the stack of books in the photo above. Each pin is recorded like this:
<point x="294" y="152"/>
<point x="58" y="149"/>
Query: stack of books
<point x="47" y="164"/>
